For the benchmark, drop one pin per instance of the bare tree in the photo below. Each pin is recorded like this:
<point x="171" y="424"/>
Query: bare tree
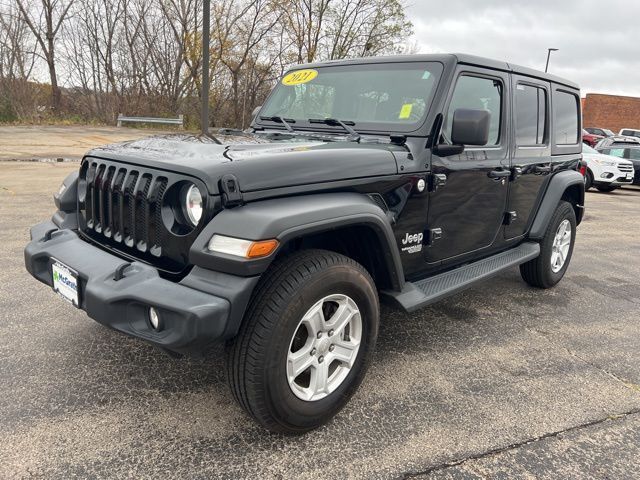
<point x="144" y="56"/>
<point x="44" y="20"/>
<point x="305" y="24"/>
<point x="361" y="28"/>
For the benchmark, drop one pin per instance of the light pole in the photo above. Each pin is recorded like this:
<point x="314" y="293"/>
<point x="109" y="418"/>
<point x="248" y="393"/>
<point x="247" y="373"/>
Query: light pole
<point x="204" y="113"/>
<point x="549" y="50"/>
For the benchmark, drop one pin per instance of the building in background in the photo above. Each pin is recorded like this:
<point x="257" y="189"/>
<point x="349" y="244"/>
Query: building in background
<point x="611" y="111"/>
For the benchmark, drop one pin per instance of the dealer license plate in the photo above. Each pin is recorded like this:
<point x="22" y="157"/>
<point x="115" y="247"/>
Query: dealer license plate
<point x="629" y="175"/>
<point x="65" y="282"/>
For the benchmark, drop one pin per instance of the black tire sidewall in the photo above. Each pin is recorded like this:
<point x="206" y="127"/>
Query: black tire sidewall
<point x="300" y="414"/>
<point x="588" y="180"/>
<point x="564" y="212"/>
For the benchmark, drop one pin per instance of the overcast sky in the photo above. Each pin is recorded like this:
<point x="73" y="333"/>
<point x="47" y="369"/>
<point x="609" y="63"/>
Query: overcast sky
<point x="598" y="41"/>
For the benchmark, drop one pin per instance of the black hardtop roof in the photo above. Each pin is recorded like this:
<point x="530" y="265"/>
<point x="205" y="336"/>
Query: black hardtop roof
<point x="448" y="58"/>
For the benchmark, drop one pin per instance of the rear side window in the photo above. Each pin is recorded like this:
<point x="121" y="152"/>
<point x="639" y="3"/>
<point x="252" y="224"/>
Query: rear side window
<point x="615" y="152"/>
<point x="478" y="93"/>
<point x="531" y="115"/>
<point x="565" y="116"/>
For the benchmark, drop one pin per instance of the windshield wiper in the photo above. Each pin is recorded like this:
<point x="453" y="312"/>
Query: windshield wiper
<point x="334" y="122"/>
<point x="279" y="119"/>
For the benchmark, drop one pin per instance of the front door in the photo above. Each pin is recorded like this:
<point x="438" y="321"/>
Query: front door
<point x="467" y="212"/>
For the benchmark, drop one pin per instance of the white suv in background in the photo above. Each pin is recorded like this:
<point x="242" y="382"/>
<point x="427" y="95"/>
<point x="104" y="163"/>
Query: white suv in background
<point x="630" y="132"/>
<point x="605" y="172"/>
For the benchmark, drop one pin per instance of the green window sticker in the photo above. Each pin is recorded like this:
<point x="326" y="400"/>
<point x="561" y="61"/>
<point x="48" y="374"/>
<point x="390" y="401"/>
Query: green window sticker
<point x="405" y="111"/>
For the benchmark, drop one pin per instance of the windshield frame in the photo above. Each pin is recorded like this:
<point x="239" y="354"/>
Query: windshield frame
<point x="372" y="127"/>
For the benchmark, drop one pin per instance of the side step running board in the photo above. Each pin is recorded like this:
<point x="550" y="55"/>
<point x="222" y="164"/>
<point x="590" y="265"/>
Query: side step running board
<point x="424" y="292"/>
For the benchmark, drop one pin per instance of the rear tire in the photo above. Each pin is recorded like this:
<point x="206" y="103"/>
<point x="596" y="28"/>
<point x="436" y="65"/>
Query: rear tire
<point x="546" y="270"/>
<point x="291" y="318"/>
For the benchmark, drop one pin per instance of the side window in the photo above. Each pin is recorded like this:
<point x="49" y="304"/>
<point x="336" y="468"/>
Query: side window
<point x="565" y="116"/>
<point x="625" y="132"/>
<point x="616" y="152"/>
<point x="531" y="115"/>
<point x="477" y="93"/>
<point x="634" y="154"/>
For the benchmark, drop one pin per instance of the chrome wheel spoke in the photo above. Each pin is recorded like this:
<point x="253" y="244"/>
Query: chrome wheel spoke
<point x="341" y="318"/>
<point x="299" y="361"/>
<point x="561" y="246"/>
<point x="319" y="383"/>
<point x="345" y="352"/>
<point x="314" y="319"/>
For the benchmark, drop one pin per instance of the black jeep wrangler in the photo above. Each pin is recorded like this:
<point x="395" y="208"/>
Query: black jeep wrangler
<point x="405" y="178"/>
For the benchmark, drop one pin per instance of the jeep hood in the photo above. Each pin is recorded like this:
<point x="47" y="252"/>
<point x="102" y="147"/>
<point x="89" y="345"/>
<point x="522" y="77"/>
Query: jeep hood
<point x="257" y="163"/>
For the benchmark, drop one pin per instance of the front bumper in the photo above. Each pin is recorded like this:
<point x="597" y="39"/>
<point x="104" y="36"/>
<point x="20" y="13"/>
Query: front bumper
<point x="195" y="312"/>
<point x="611" y="176"/>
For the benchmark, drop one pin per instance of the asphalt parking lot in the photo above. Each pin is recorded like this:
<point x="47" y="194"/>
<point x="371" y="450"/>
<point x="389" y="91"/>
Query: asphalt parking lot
<point x="69" y="142"/>
<point x="502" y="381"/>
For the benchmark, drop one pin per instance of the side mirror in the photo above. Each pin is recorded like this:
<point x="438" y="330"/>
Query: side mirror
<point x="470" y="127"/>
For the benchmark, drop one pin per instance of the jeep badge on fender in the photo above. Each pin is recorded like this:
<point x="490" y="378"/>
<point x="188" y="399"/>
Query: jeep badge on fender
<point x="409" y="178"/>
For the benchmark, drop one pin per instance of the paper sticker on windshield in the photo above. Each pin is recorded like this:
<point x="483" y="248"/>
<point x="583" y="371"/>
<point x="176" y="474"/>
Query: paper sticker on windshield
<point x="405" y="111"/>
<point x="301" y="76"/>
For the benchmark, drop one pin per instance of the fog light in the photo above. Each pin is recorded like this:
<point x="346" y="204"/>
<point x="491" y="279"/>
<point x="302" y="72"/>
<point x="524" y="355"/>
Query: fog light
<point x="154" y="318"/>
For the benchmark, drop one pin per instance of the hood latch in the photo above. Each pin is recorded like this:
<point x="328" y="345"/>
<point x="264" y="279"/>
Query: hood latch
<point x="231" y="194"/>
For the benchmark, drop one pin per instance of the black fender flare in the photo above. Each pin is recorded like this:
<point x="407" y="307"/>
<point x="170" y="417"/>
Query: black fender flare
<point x="558" y="185"/>
<point x="287" y="218"/>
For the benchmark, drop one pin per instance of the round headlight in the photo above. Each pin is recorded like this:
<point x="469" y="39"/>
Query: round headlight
<point x="193" y="204"/>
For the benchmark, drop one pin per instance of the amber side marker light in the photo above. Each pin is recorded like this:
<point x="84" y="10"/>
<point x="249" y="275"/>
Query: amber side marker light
<point x="262" y="249"/>
<point x="240" y="247"/>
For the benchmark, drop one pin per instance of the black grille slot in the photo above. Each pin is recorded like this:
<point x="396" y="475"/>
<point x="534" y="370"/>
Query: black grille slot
<point x="155" y="225"/>
<point x="130" y="211"/>
<point x="105" y="202"/>
<point x="97" y="198"/>
<point x="117" y="222"/>
<point x="141" y="207"/>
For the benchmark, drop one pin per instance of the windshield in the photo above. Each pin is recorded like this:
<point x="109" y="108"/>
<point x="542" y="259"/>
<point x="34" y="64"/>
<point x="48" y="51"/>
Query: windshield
<point x="386" y="96"/>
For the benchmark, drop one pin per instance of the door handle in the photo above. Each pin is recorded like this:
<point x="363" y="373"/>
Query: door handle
<point x="539" y="169"/>
<point x="497" y="174"/>
<point x="436" y="181"/>
<point x="516" y="172"/>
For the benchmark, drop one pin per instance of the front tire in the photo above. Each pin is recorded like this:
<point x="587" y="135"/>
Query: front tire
<point x="556" y="249"/>
<point x="306" y="341"/>
<point x="588" y="180"/>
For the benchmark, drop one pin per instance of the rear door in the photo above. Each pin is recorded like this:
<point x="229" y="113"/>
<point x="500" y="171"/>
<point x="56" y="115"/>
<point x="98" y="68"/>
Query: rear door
<point x="531" y="151"/>
<point x="467" y="212"/>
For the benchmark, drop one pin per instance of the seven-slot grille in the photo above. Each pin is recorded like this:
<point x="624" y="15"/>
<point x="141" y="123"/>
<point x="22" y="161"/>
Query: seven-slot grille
<point x="123" y="204"/>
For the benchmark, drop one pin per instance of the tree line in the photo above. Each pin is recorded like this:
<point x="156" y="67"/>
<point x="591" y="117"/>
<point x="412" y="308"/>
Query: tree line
<point x="89" y="60"/>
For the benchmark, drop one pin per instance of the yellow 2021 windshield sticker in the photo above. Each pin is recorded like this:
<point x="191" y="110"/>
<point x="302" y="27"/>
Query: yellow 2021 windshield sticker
<point x="300" y="76"/>
<point x="405" y="111"/>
